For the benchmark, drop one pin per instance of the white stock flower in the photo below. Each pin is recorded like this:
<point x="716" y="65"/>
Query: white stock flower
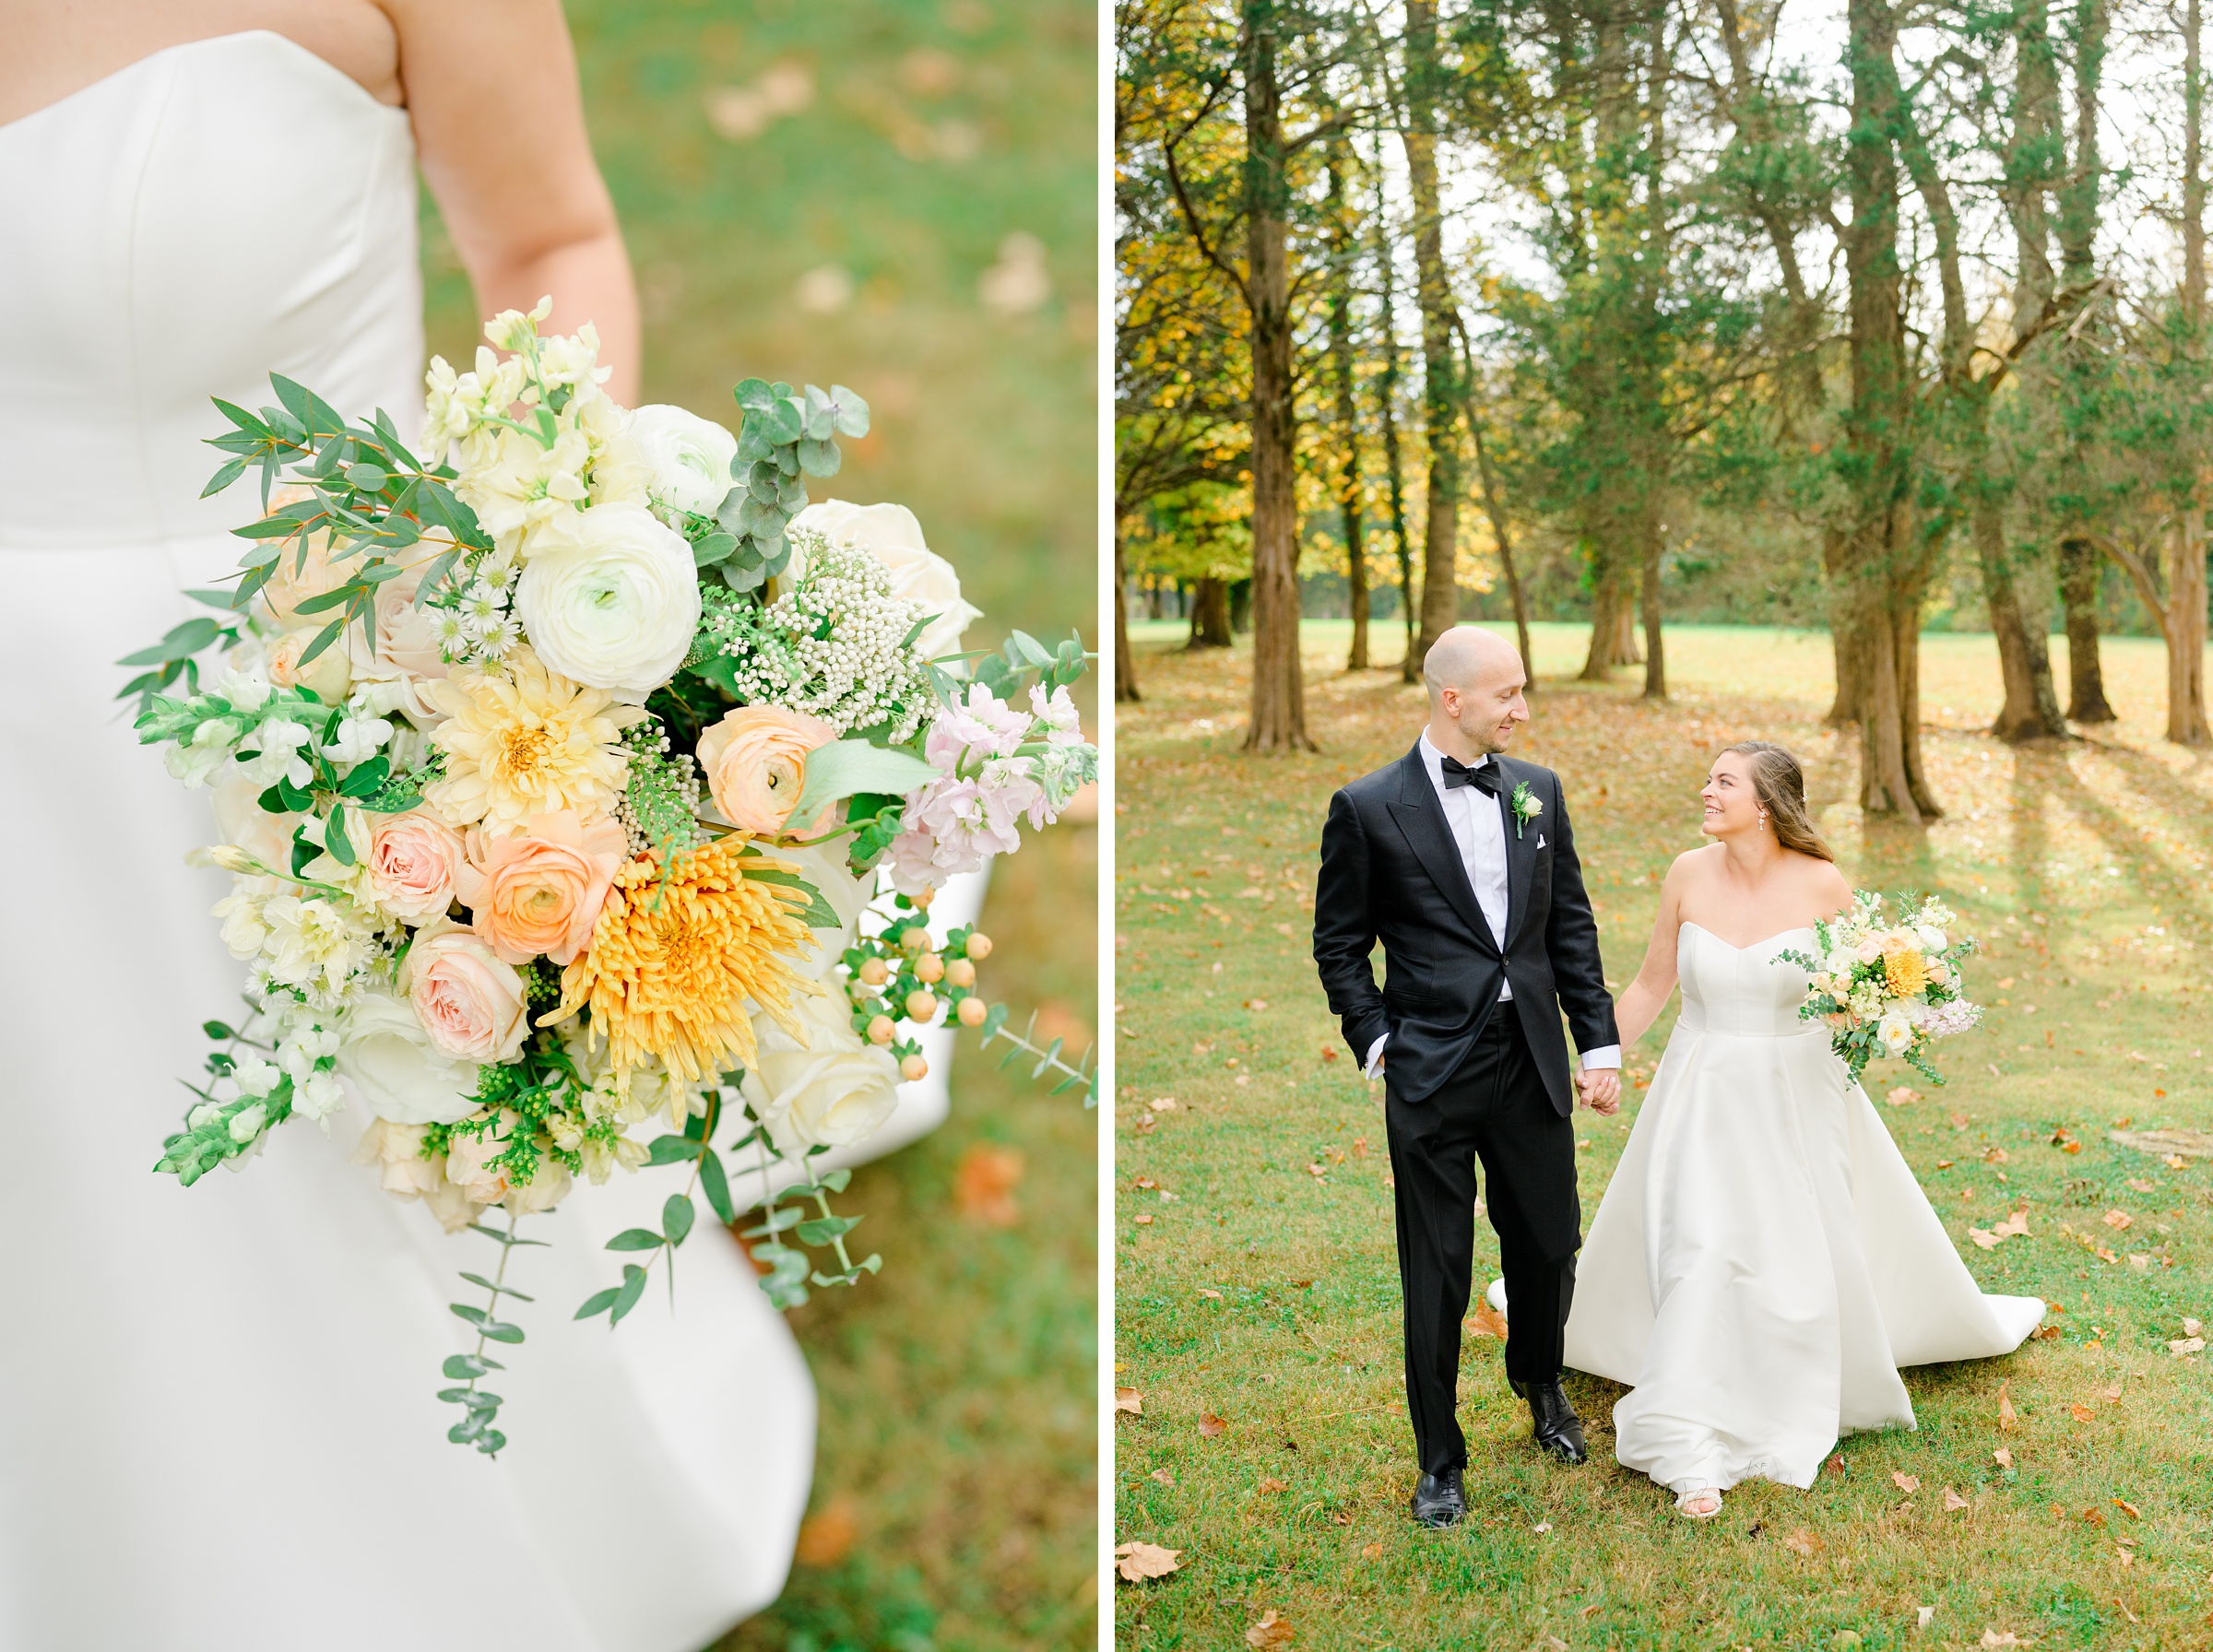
<point x="615" y="604"/>
<point x="386" y="1056"/>
<point x="314" y="945"/>
<point x="358" y="740"/>
<point x="277" y="744"/>
<point x="245" y="687"/>
<point x="918" y="574"/>
<point x="194" y="761"/>
<point x="832" y="1090"/>
<point x="689" y="457"/>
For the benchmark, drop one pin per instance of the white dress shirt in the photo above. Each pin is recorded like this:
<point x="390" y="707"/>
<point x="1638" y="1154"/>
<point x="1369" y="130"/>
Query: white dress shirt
<point x="1478" y="828"/>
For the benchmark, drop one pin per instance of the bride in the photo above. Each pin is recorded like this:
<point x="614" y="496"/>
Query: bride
<point x="218" y="1421"/>
<point x="1763" y="1261"/>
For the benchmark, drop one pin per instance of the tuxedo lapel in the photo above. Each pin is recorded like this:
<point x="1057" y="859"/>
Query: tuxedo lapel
<point x="1521" y="854"/>
<point x="1422" y="819"/>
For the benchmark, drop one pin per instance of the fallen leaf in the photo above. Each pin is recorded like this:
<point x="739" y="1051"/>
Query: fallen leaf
<point x="1923" y="1616"/>
<point x="1991" y="1637"/>
<point x="1984" y="1238"/>
<point x="2124" y="1611"/>
<point x="2072" y="1147"/>
<point x="1360" y="1145"/>
<point x="1900" y="1096"/>
<point x="1270" y="1631"/>
<point x="2128" y="1508"/>
<point x="1316" y="1172"/>
<point x="1543" y="1526"/>
<point x="1952" y="1500"/>
<point x="1163" y="1476"/>
<point x="1487" y="1321"/>
<point x="983" y="1183"/>
<point x="1210" y="1425"/>
<point x="2008" y="1419"/>
<point x="1908" y="1484"/>
<point x="2183" y="1345"/>
<point x="2126" y="1558"/>
<point x="2191" y="1328"/>
<point x="2174" y="1162"/>
<point x="1801" y="1541"/>
<point x="2094" y="1515"/>
<point x="2113" y="1395"/>
<point x="827" y="1535"/>
<point x="1211" y="1295"/>
<point x="1147" y="1183"/>
<point x="2117" y="1220"/>
<point x="1255" y="1003"/>
<point x="1996" y="1155"/>
<point x="2080" y="1412"/>
<point x="1166" y="1103"/>
<point x="1270" y="1483"/>
<point x="2004" y="1456"/>
<point x="2006" y="984"/>
<point x="1130" y="1400"/>
<point x="1944" y="1164"/>
<point x="1835" y="1464"/>
<point x="2014" y="1227"/>
<point x="1145" y="1222"/>
<point x="1137" y="1562"/>
<point x="1328" y="1052"/>
<point x="1960" y="1120"/>
<point x="2141" y="1185"/>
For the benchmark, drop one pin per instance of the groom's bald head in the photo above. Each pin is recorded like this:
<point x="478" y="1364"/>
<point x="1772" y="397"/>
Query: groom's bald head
<point x="1475" y="679"/>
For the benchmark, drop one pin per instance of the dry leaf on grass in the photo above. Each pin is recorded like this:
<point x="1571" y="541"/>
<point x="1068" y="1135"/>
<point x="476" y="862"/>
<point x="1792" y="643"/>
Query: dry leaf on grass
<point x="2014" y="1227"/>
<point x="1991" y="1637"/>
<point x="984" y="1182"/>
<point x="826" y="1535"/>
<point x="2141" y="1185"/>
<point x="1270" y="1631"/>
<point x="1130" y="1400"/>
<point x="1983" y="1238"/>
<point x="2128" y="1508"/>
<point x="2183" y="1345"/>
<point x="1166" y="1103"/>
<point x="1487" y="1321"/>
<point x="2118" y="1220"/>
<point x="1900" y="1095"/>
<point x="1143" y="1222"/>
<point x="2080" y="1412"/>
<point x="1923" y="1616"/>
<point x="1211" y="1295"/>
<point x="2008" y="1419"/>
<point x="1372" y="1551"/>
<point x="2191" y="1328"/>
<point x="2004" y="1456"/>
<point x="1163" y="1476"/>
<point x="1908" y="1484"/>
<point x="1270" y="1483"/>
<point x="1210" y="1425"/>
<point x="2094" y="1515"/>
<point x="1137" y="1562"/>
<point x="1801" y="1541"/>
<point x="1952" y="1500"/>
<point x="2113" y="1395"/>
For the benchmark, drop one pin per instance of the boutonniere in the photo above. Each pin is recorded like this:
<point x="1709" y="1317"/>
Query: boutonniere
<point x="1526" y="806"/>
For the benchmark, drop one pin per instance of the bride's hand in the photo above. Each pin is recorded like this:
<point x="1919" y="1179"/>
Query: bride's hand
<point x="1602" y="1091"/>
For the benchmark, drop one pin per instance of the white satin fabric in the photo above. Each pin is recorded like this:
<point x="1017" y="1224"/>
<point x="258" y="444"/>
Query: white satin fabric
<point x="1763" y="1261"/>
<point x="217" y="1429"/>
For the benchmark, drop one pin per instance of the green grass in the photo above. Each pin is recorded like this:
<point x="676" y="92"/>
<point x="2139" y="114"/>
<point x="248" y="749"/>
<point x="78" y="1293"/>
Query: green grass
<point x="1267" y="1295"/>
<point x="957" y="1397"/>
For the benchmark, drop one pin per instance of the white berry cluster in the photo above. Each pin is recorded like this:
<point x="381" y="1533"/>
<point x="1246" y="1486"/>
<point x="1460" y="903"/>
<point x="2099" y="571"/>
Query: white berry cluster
<point x="836" y="646"/>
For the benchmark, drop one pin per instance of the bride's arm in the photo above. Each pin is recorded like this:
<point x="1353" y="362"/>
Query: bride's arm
<point x="491" y="89"/>
<point x="1640" y="1007"/>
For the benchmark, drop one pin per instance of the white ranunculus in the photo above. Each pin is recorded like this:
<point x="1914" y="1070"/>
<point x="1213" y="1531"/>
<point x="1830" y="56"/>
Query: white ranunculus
<point x="387" y="1058"/>
<point x="1930" y="938"/>
<point x="1895" y="1031"/>
<point x="689" y="457"/>
<point x="615" y="604"/>
<point x="846" y="895"/>
<point x="919" y="575"/>
<point x="831" y="1091"/>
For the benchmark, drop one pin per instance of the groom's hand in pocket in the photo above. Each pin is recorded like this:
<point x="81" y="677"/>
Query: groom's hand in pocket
<point x="1602" y="1090"/>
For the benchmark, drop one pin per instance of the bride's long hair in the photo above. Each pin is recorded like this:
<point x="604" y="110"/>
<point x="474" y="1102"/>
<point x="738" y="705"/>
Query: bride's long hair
<point x="1779" y="784"/>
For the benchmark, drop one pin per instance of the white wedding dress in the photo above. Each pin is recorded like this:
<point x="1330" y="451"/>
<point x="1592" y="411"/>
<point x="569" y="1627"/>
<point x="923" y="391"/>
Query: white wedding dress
<point x="217" y="1424"/>
<point x="1763" y="1261"/>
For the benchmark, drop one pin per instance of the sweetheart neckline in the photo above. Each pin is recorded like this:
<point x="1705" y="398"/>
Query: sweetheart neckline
<point x="207" y="40"/>
<point x="1794" y="930"/>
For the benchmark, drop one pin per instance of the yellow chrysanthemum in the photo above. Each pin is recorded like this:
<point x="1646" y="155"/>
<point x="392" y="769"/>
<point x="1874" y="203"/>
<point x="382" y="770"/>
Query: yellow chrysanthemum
<point x="674" y="959"/>
<point x="1904" y="969"/>
<point x="522" y="742"/>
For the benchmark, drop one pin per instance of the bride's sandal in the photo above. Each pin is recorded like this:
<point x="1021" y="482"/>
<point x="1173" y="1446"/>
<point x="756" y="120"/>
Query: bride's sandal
<point x="1700" y="1505"/>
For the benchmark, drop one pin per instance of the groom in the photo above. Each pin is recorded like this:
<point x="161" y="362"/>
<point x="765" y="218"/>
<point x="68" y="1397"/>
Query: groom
<point x="1462" y="864"/>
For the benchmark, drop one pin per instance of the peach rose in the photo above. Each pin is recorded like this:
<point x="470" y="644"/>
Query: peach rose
<point x="469" y="1002"/>
<point x="755" y="761"/>
<point x="412" y="862"/>
<point x="329" y="674"/>
<point x="541" y="891"/>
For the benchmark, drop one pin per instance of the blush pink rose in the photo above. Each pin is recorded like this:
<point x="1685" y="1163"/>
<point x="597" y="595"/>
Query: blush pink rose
<point x="469" y="1002"/>
<point x="755" y="761"/>
<point x="541" y="891"/>
<point x="413" y="861"/>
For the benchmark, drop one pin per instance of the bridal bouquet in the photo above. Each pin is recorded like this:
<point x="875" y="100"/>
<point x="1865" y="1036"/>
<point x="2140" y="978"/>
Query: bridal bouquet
<point x="1888" y="988"/>
<point x="557" y="770"/>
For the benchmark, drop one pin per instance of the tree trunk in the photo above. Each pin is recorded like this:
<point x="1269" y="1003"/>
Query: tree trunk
<point x="1352" y="504"/>
<point x="2031" y="711"/>
<point x="2078" y="593"/>
<point x="1209" y="613"/>
<point x="1153" y="591"/>
<point x="1495" y="509"/>
<point x="1440" y="398"/>
<point x="1655" y="659"/>
<point x="1394" y="469"/>
<point x="1847" y="646"/>
<point x="2184" y="627"/>
<point x="1612" y="621"/>
<point x="1882" y="562"/>
<point x="1125" y="664"/>
<point x="1240" y="607"/>
<point x="1279" y="715"/>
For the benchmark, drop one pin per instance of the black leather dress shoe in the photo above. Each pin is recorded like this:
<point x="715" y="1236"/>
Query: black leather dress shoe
<point x="1438" y="1499"/>
<point x="1558" y="1430"/>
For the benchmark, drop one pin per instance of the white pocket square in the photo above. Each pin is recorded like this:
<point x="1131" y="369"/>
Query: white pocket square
<point x="1540" y="840"/>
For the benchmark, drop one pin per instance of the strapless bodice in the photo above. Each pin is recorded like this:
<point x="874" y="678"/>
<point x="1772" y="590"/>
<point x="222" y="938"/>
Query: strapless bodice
<point x="176" y="231"/>
<point x="1741" y="992"/>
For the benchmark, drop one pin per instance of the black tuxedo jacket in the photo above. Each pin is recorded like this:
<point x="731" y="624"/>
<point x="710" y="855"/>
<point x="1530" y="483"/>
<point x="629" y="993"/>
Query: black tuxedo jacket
<point x="1392" y="872"/>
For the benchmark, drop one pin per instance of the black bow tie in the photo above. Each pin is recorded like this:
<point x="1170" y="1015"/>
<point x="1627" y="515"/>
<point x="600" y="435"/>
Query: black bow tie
<point x="1484" y="776"/>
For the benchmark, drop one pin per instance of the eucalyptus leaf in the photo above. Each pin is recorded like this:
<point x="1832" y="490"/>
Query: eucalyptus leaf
<point x="844" y="767"/>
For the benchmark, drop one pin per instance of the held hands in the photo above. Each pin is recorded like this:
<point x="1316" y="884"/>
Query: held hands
<point x="1600" y="1091"/>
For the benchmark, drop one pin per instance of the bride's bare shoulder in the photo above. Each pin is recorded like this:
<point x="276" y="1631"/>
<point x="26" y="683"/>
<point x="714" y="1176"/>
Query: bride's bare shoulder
<point x="1825" y="883"/>
<point x="1695" y="866"/>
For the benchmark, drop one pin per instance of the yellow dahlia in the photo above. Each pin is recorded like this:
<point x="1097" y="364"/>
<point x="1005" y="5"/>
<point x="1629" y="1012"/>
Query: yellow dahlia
<point x="674" y="958"/>
<point x="1904" y="969"/>
<point x="522" y="741"/>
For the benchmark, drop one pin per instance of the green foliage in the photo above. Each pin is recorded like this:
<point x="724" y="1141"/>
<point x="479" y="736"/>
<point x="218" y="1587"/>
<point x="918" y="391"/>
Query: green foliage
<point x="784" y="434"/>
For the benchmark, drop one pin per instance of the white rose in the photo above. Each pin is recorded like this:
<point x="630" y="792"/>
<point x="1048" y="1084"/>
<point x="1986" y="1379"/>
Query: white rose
<point x="240" y="820"/>
<point x="1930" y="936"/>
<point x="689" y="457"/>
<point x="387" y="1058"/>
<point x="893" y="538"/>
<point x="615" y="604"/>
<point x="844" y="894"/>
<point x="1896" y="1032"/>
<point x="832" y="1091"/>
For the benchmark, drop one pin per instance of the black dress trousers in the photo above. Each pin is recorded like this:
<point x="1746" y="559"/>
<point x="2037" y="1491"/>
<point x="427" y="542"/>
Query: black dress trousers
<point x="1494" y="1108"/>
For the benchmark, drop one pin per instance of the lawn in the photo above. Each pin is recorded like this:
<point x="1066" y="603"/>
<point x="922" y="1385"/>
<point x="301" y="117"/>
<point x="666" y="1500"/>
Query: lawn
<point x="1258" y="1311"/>
<point x="837" y="194"/>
